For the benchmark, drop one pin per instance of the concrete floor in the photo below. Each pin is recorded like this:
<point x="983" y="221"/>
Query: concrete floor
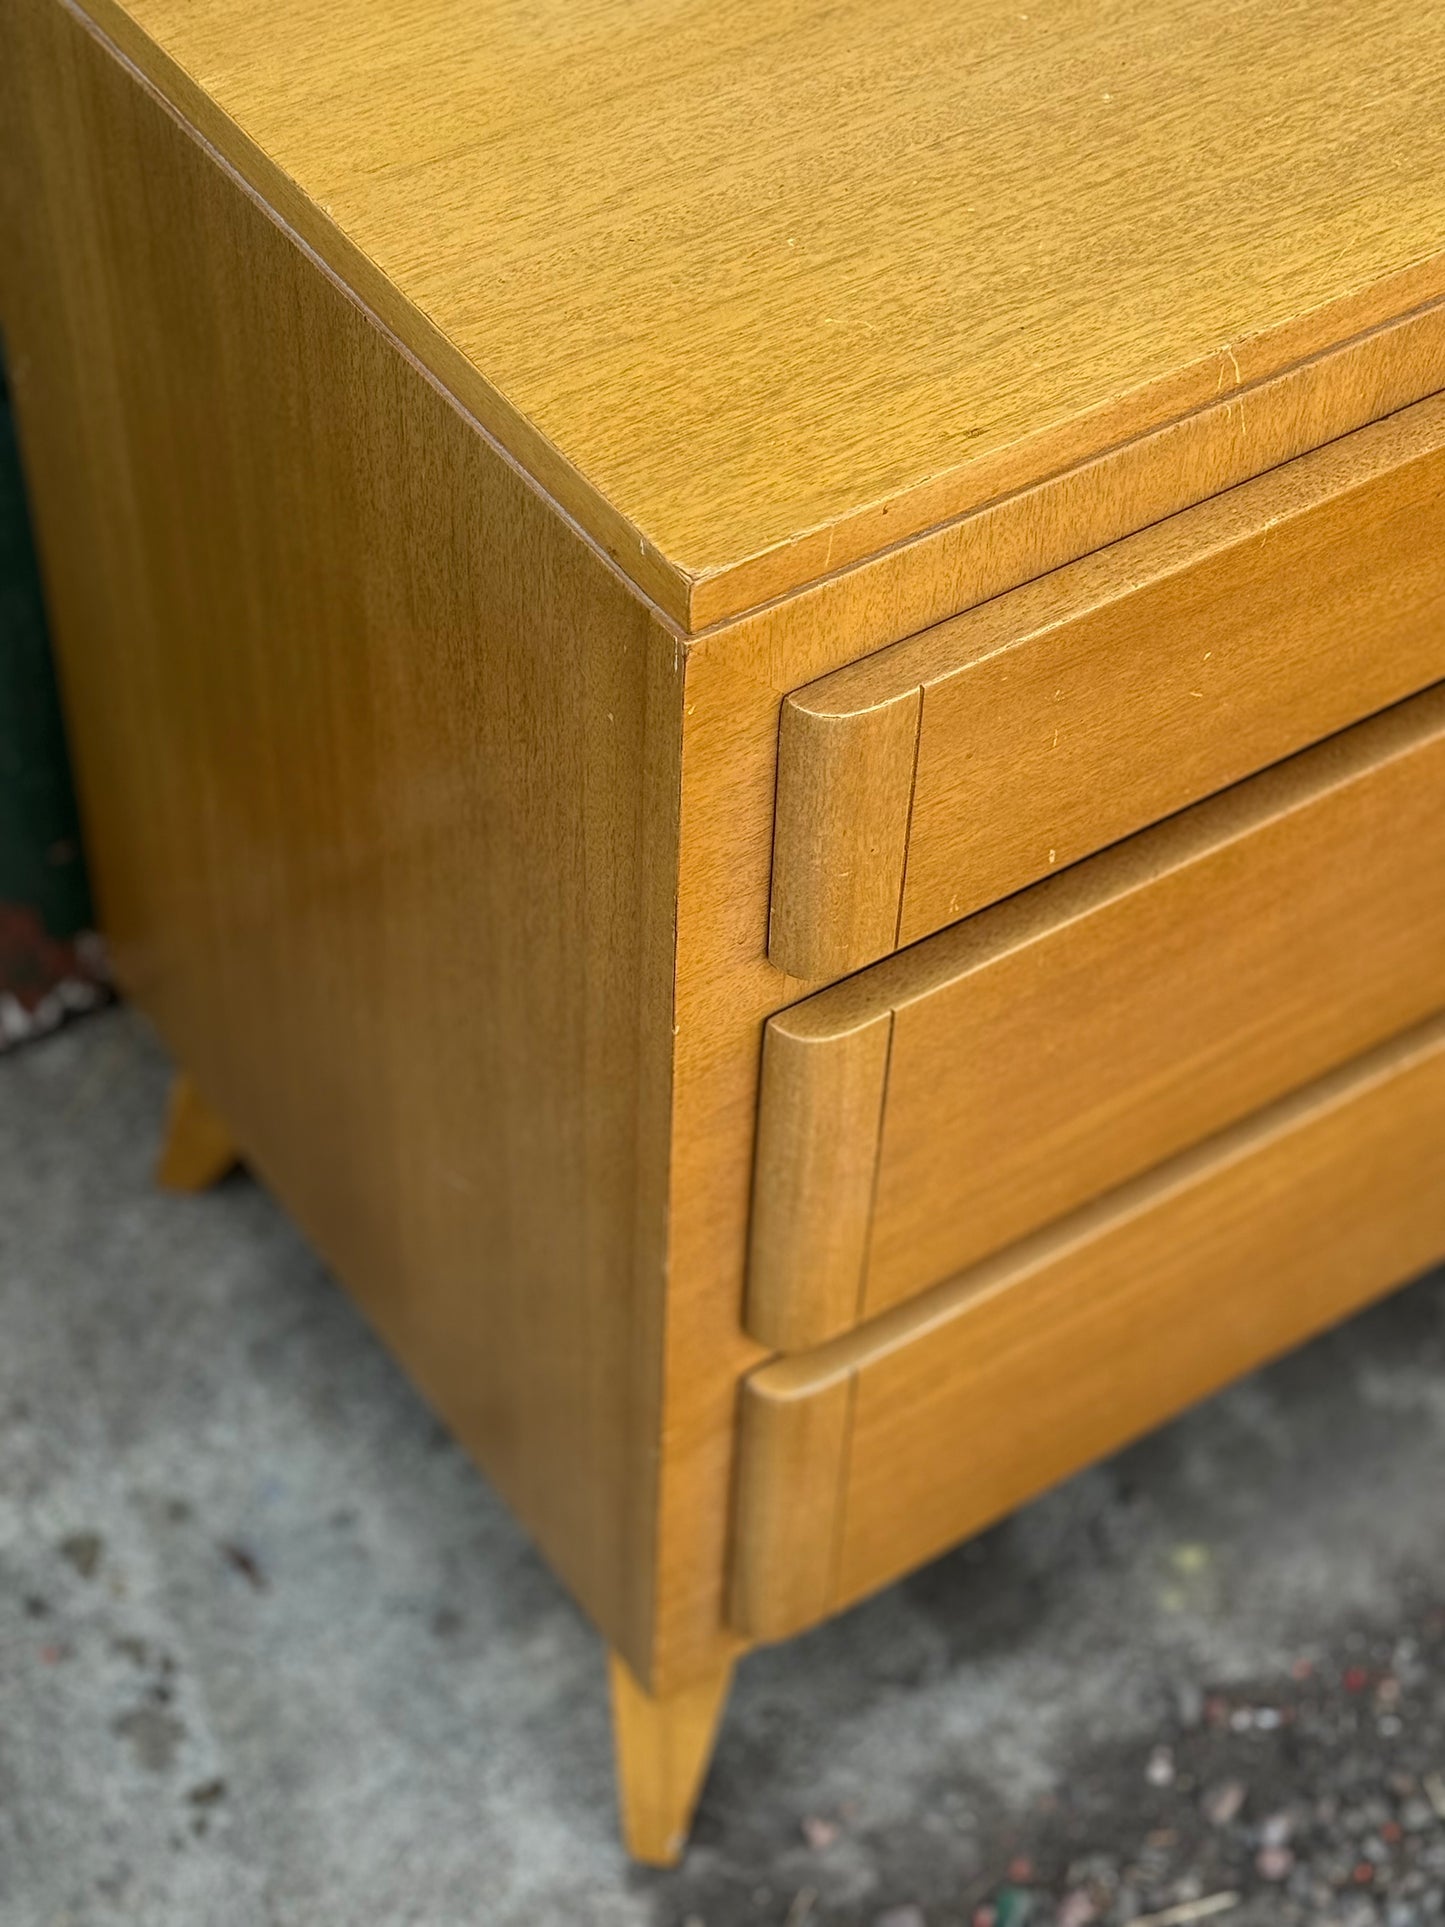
<point x="271" y="1652"/>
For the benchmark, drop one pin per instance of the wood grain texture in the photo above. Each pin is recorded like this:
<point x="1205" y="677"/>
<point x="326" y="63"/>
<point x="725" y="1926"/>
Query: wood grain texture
<point x="790" y="1460"/>
<point x="763" y="292"/>
<point x="663" y="1747"/>
<point x="1011" y="1376"/>
<point x="1058" y="718"/>
<point x="1048" y="1049"/>
<point x="198" y="1149"/>
<point x="846" y="779"/>
<point x="379" y="767"/>
<point x="820" y="1115"/>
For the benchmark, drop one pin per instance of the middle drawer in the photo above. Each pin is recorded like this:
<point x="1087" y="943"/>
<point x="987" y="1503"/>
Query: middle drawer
<point x="960" y="1094"/>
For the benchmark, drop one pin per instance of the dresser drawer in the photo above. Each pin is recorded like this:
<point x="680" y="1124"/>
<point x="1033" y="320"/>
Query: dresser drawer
<point x="871" y="1455"/>
<point x="962" y="1093"/>
<point x="944" y="773"/>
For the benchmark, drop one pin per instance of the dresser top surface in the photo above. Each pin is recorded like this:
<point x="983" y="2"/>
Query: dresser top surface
<point x="761" y="288"/>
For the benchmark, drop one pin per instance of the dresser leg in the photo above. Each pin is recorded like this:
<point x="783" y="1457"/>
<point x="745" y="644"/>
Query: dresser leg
<point x="663" y="1750"/>
<point x="198" y="1149"/>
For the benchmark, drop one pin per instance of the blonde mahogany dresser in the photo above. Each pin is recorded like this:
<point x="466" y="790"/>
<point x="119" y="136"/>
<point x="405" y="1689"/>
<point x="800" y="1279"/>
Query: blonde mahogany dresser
<point x="760" y="693"/>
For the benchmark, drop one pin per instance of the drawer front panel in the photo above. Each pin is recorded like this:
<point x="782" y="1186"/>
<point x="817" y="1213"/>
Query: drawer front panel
<point x="955" y="768"/>
<point x="876" y="1453"/>
<point x="961" y="1094"/>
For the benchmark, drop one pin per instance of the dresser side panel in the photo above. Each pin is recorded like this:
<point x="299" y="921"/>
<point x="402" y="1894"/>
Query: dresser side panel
<point x="379" y="764"/>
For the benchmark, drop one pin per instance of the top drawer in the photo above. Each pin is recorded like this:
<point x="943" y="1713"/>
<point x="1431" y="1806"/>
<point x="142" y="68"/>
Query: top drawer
<point x="947" y="771"/>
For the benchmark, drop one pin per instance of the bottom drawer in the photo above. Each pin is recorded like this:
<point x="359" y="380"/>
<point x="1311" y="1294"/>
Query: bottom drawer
<point x="874" y="1453"/>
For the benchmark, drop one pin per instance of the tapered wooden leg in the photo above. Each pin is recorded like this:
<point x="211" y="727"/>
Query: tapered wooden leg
<point x="664" y="1747"/>
<point x="198" y="1149"/>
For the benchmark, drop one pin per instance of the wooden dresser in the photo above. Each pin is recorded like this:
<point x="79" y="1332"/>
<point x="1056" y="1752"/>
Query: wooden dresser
<point x="760" y="695"/>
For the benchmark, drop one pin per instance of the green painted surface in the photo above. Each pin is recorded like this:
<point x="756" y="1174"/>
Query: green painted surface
<point x="41" y="867"/>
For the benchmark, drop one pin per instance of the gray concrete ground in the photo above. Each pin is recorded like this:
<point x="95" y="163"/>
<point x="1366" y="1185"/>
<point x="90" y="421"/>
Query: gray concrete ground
<point x="271" y="1652"/>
